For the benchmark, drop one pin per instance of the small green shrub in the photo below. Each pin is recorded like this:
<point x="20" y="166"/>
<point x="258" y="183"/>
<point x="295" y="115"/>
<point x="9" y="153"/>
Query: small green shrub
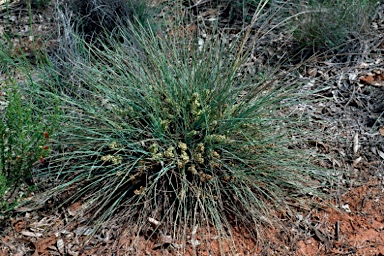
<point x="24" y="132"/>
<point x="4" y="186"/>
<point x="24" y="141"/>
<point x="324" y="25"/>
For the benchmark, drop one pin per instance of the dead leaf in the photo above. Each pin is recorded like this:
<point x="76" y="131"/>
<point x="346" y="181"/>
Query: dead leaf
<point x="364" y="65"/>
<point x="312" y="72"/>
<point x="381" y="130"/>
<point x="18" y="225"/>
<point x="73" y="249"/>
<point x="60" y="246"/>
<point x="84" y="231"/>
<point x="193" y="240"/>
<point x="381" y="154"/>
<point x="31" y="234"/>
<point x="74" y="209"/>
<point x="43" y="244"/>
<point x="346" y="208"/>
<point x="367" y="79"/>
<point x="165" y="239"/>
<point x="5" y="241"/>
<point x="376" y="79"/>
<point x="356" y="161"/>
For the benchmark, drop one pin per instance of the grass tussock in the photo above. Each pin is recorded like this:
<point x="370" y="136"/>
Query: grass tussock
<point x="324" y="25"/>
<point x="95" y="19"/>
<point x="171" y="130"/>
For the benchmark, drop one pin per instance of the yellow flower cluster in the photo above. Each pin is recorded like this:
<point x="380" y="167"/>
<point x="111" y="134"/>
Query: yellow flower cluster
<point x="113" y="145"/>
<point x="169" y="152"/>
<point x="153" y="148"/>
<point x="184" y="158"/>
<point x="182" y="146"/>
<point x="216" y="138"/>
<point x="215" y="154"/>
<point x="165" y="124"/>
<point x="200" y="148"/>
<point x="195" y="105"/>
<point x="112" y="159"/>
<point x="198" y="157"/>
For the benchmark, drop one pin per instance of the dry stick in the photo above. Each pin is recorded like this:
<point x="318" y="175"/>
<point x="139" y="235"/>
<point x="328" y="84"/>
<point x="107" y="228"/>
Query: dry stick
<point x="337" y="230"/>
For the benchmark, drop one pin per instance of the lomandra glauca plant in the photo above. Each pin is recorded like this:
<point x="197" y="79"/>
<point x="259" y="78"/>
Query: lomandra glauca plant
<point x="172" y="131"/>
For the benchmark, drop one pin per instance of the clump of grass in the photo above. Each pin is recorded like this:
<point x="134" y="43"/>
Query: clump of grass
<point x="95" y="19"/>
<point x="174" y="132"/>
<point x="324" y="25"/>
<point x="237" y="11"/>
<point x="95" y="22"/>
